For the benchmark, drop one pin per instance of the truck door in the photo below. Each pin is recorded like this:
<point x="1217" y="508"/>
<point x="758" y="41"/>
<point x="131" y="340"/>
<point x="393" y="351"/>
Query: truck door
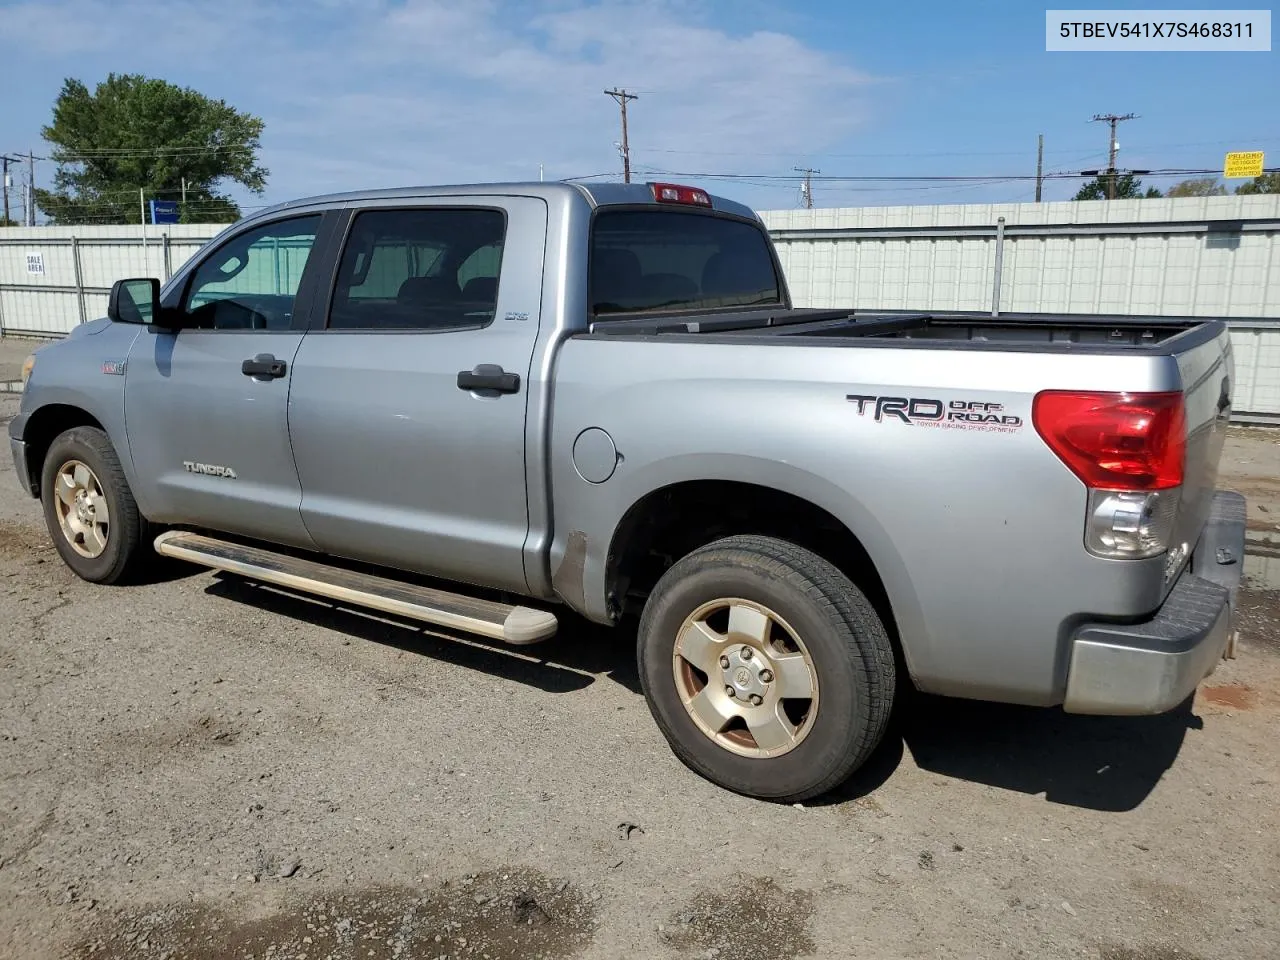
<point x="206" y="406"/>
<point x="408" y="403"/>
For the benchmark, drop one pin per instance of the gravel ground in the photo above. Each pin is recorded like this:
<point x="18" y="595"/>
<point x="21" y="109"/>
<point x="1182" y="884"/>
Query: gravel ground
<point x="12" y="352"/>
<point x="199" y="768"/>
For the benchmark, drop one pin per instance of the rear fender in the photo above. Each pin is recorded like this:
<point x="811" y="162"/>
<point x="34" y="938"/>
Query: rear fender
<point x="590" y="514"/>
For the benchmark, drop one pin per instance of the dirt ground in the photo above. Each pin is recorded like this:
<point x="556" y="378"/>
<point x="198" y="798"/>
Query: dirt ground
<point x="12" y="352"/>
<point x="200" y="769"/>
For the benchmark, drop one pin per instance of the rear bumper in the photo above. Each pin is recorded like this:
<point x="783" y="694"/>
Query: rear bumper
<point x="1152" y="666"/>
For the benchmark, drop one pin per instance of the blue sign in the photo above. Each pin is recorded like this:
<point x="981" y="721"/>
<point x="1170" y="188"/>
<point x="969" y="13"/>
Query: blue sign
<point x="164" y="211"/>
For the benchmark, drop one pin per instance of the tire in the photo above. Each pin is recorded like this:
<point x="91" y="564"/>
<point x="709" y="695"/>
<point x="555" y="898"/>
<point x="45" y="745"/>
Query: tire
<point x="811" y="609"/>
<point x="109" y="552"/>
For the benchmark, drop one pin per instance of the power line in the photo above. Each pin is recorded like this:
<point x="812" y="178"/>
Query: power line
<point x="158" y="150"/>
<point x="953" y="187"/>
<point x="131" y="153"/>
<point x="1249" y="138"/>
<point x="951" y="178"/>
<point x="133" y="191"/>
<point x="621" y="96"/>
<point x="849" y="156"/>
<point x="155" y="152"/>
<point x="162" y="151"/>
<point x="192" y="205"/>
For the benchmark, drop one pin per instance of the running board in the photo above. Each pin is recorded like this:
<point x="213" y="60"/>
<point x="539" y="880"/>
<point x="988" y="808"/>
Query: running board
<point x="486" y="618"/>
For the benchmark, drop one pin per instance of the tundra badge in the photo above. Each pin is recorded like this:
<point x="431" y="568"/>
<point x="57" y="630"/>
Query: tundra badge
<point x="211" y="469"/>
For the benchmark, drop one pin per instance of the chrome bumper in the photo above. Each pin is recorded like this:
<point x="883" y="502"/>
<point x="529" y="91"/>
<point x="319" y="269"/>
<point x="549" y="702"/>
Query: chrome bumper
<point x="1152" y="666"/>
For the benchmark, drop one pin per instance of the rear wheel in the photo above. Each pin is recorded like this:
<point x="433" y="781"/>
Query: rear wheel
<point x="767" y="670"/>
<point x="89" y="508"/>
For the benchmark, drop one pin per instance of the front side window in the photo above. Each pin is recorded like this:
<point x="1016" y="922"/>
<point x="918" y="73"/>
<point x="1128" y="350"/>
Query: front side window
<point x="660" y="260"/>
<point x="250" y="282"/>
<point x="419" y="270"/>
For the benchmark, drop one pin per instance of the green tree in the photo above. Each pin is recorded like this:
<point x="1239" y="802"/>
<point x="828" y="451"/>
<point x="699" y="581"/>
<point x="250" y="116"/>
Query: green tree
<point x="1267" y="183"/>
<point x="1199" y="187"/>
<point x="1128" y="187"/>
<point x="135" y="132"/>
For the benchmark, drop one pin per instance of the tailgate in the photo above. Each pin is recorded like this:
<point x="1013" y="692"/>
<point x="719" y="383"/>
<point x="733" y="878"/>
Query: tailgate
<point x="1207" y="380"/>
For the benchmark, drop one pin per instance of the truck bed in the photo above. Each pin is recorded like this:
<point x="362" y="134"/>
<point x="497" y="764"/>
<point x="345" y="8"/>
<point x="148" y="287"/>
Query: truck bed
<point x="958" y="329"/>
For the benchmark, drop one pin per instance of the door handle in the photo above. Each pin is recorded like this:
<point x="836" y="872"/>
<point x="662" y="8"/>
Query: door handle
<point x="489" y="376"/>
<point x="263" y="367"/>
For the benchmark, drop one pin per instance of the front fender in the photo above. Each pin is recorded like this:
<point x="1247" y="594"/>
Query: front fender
<point x="77" y="374"/>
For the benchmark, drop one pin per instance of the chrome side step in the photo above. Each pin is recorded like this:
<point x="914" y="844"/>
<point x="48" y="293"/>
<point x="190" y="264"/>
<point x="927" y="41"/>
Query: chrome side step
<point x="485" y="618"/>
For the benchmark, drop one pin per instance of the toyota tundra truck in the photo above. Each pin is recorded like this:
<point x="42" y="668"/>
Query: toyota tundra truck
<point x="492" y="408"/>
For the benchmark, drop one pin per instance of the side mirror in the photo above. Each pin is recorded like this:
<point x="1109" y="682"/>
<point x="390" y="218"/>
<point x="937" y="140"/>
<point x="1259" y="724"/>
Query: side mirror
<point x="135" y="301"/>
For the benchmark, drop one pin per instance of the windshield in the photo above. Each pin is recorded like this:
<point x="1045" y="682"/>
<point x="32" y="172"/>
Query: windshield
<point x="645" y="260"/>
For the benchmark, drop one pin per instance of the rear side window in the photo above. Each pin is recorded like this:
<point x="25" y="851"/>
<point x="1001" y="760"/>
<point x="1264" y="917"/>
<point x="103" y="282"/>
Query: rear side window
<point x="643" y="260"/>
<point x="419" y="270"/>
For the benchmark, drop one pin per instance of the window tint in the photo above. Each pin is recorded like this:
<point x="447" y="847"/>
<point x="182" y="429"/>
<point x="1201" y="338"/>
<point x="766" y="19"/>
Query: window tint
<point x="481" y="265"/>
<point x="419" y="270"/>
<point x="389" y="265"/>
<point x="675" y="260"/>
<point x="250" y="282"/>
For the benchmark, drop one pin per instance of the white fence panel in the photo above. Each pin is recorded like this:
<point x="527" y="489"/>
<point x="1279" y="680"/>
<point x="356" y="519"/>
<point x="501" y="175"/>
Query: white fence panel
<point x="1190" y="256"/>
<point x="52" y="278"/>
<point x="1194" y="256"/>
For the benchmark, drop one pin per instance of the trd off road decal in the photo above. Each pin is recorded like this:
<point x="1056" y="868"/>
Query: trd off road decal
<point x="952" y="415"/>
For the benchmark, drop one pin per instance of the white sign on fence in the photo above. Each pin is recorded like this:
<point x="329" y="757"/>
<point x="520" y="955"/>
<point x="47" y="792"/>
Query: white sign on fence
<point x="35" y="263"/>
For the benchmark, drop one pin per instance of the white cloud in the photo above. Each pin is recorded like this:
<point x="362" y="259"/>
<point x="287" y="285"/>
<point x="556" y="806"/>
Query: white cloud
<point x="374" y="92"/>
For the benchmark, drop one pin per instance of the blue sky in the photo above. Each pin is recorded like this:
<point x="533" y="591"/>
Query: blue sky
<point x="367" y="93"/>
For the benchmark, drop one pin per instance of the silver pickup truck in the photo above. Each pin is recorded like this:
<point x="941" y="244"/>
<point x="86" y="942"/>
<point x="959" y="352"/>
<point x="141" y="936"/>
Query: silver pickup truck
<point x="492" y="407"/>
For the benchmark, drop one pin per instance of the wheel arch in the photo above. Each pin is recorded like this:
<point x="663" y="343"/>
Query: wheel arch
<point x="655" y="530"/>
<point x="44" y="425"/>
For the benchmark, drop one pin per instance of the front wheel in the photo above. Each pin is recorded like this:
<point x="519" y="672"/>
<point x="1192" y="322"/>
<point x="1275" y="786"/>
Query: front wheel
<point x="766" y="669"/>
<point x="89" y="508"/>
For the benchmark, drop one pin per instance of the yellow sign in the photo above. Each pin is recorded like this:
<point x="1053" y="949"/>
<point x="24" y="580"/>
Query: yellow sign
<point x="1246" y="164"/>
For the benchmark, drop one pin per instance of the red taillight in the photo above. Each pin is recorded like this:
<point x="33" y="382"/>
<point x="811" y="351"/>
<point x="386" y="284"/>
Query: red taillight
<point x="674" y="193"/>
<point x="1116" y="441"/>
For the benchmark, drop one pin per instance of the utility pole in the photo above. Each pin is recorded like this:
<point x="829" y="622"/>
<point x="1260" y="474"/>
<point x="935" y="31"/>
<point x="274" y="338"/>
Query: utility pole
<point x="142" y="211"/>
<point x="1039" y="165"/>
<point x="6" y="189"/>
<point x="807" y="187"/>
<point x="1111" y="120"/>
<point x="622" y="97"/>
<point x="31" y="191"/>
